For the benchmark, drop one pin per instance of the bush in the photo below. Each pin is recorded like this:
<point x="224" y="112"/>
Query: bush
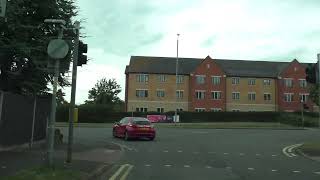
<point x="191" y="117"/>
<point x="105" y="114"/>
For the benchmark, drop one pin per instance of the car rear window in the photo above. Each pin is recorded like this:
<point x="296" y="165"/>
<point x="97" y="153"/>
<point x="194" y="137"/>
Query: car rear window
<point x="141" y="121"/>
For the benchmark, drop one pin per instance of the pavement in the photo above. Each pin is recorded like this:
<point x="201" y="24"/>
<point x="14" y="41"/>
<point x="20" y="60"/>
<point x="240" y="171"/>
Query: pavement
<point x="93" y="159"/>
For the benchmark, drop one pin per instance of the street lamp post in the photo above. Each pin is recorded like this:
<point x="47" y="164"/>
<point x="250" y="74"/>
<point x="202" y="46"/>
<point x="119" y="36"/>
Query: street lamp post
<point x="318" y="84"/>
<point x="177" y="66"/>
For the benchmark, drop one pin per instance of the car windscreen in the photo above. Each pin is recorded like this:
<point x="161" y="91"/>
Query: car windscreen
<point x="141" y="121"/>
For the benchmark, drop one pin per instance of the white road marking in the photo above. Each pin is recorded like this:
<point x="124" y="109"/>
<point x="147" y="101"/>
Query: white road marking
<point x="167" y="165"/>
<point x="274" y="170"/>
<point x="317" y="173"/>
<point x="258" y="154"/>
<point x="186" y="166"/>
<point x="273" y="155"/>
<point x="251" y="169"/>
<point x="179" y="151"/>
<point x="147" y="165"/>
<point x="225" y="153"/>
<point x="123" y="147"/>
<point x="126" y="168"/>
<point x="296" y="171"/>
<point x="126" y="173"/>
<point x="241" y="154"/>
<point x="208" y="167"/>
<point x="165" y="151"/>
<point x="288" y="151"/>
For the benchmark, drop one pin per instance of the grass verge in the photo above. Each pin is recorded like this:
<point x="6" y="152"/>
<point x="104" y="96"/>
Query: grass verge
<point x="310" y="149"/>
<point x="46" y="174"/>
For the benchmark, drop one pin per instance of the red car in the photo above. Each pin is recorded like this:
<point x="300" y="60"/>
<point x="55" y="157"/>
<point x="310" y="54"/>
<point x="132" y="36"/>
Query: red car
<point x="134" y="127"/>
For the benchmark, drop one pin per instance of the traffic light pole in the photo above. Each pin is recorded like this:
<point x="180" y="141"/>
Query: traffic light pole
<point x="73" y="92"/>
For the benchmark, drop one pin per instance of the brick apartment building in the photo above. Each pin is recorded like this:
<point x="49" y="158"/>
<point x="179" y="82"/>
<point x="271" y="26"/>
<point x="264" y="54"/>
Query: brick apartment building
<point x="214" y="85"/>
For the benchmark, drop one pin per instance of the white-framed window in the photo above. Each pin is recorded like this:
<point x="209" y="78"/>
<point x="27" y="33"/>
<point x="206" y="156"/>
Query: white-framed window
<point x="216" y="95"/>
<point x="142" y="77"/>
<point x="251" y="96"/>
<point x="200" y="79"/>
<point x="200" y="94"/>
<point x="141" y="109"/>
<point x="142" y="93"/>
<point x="216" y="109"/>
<point x="288" y="82"/>
<point x="304" y="97"/>
<point x="162" y="78"/>
<point x="235" y="95"/>
<point x="160" y="110"/>
<point x="216" y="80"/>
<point x="303" y="83"/>
<point x="179" y="94"/>
<point x="267" y="82"/>
<point x="160" y="93"/>
<point x="235" y="80"/>
<point x="251" y="82"/>
<point x="180" y="79"/>
<point x="267" y="96"/>
<point x="235" y="110"/>
<point x="200" y="109"/>
<point x="288" y="97"/>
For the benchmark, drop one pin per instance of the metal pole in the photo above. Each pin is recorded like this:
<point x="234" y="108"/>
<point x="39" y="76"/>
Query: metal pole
<point x="73" y="92"/>
<point x="302" y="114"/>
<point x="53" y="114"/>
<point x="33" y="119"/>
<point x="51" y="134"/>
<point x="177" y="66"/>
<point x="318" y="84"/>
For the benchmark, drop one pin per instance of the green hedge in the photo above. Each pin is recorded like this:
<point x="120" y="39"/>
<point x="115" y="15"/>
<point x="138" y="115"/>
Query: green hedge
<point x="105" y="114"/>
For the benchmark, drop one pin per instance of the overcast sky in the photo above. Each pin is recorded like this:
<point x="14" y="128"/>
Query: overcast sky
<point x="228" y="29"/>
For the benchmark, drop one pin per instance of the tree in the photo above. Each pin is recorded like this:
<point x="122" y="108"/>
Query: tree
<point x="314" y="94"/>
<point x="23" y="40"/>
<point x="104" y="92"/>
<point x="60" y="98"/>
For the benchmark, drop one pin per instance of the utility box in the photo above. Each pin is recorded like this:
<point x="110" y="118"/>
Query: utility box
<point x="76" y="115"/>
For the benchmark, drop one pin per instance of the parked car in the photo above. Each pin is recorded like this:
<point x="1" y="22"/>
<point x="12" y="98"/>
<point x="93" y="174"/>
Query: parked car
<point x="134" y="127"/>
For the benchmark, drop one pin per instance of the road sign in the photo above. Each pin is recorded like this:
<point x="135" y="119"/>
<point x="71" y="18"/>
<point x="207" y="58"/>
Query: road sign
<point x="3" y="5"/>
<point x="58" y="49"/>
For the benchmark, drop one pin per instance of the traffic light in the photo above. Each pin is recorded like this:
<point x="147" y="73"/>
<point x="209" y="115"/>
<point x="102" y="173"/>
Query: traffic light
<point x="82" y="50"/>
<point x="311" y="73"/>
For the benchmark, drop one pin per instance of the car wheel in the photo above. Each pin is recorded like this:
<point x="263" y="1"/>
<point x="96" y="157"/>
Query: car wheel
<point x="126" y="136"/>
<point x="152" y="138"/>
<point x="114" y="133"/>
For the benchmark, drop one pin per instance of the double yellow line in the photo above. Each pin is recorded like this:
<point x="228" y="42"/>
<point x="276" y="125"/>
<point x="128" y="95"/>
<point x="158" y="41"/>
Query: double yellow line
<point x="126" y="168"/>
